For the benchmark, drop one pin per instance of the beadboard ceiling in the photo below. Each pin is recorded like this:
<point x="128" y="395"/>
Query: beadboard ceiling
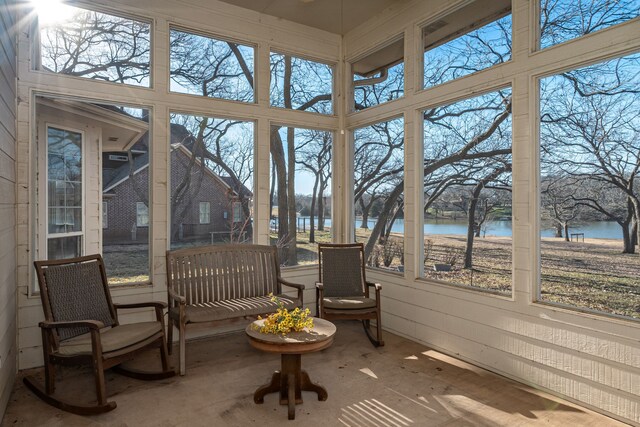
<point x="335" y="16"/>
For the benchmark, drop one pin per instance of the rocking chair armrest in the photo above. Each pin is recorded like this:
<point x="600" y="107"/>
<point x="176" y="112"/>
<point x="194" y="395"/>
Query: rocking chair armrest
<point x="319" y="286"/>
<point x="173" y="295"/>
<point x="91" y="324"/>
<point x="378" y="286"/>
<point x="159" y="307"/>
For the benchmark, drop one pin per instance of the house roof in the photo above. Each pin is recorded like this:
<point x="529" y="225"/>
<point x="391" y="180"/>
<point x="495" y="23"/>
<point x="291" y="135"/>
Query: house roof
<point x="181" y="139"/>
<point x="113" y="178"/>
<point x="119" y="130"/>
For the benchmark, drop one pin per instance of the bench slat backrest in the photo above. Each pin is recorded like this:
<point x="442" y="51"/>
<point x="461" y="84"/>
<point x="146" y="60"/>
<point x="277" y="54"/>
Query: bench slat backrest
<point x="222" y="272"/>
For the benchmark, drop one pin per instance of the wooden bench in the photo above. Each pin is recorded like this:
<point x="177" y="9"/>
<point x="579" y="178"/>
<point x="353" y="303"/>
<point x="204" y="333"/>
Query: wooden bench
<point x="223" y="283"/>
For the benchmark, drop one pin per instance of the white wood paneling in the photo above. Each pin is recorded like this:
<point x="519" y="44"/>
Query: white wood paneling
<point x="8" y="328"/>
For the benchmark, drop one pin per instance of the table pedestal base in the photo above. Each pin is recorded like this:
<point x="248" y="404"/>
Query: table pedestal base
<point x="290" y="381"/>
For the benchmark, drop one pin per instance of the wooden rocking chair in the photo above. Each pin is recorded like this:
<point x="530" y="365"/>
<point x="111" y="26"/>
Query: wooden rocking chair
<point x="81" y="327"/>
<point x="342" y="291"/>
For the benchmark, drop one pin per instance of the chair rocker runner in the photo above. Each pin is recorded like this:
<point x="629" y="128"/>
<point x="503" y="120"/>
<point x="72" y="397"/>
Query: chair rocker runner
<point x="81" y="327"/>
<point x="342" y="291"/>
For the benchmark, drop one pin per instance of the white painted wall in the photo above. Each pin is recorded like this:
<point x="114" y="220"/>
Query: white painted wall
<point x="590" y="359"/>
<point x="8" y="303"/>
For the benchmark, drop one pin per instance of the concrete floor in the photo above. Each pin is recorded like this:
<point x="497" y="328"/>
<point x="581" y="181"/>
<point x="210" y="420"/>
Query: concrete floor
<point x="400" y="385"/>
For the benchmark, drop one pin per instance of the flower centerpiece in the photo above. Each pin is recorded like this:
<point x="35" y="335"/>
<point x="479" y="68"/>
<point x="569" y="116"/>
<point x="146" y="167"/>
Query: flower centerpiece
<point x="284" y="321"/>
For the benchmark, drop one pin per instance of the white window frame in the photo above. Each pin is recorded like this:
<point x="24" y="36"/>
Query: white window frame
<point x="204" y="216"/>
<point x="145" y="213"/>
<point x="105" y="215"/>
<point x="42" y="189"/>
<point x="236" y="213"/>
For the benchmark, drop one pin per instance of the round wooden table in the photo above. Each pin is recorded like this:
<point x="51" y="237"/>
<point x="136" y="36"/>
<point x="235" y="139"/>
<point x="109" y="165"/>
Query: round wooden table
<point x="291" y="380"/>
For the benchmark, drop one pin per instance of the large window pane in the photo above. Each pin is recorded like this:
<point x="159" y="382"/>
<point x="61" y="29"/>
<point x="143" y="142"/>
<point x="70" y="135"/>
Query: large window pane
<point x="210" y="67"/>
<point x="379" y="77"/>
<point x="96" y="195"/>
<point x="125" y="192"/>
<point x="300" y="192"/>
<point x="471" y="39"/>
<point x="467" y="192"/>
<point x="590" y="193"/>
<point x="378" y="167"/>
<point x="211" y="173"/>
<point x="301" y="84"/>
<point x="562" y="20"/>
<point x="94" y="45"/>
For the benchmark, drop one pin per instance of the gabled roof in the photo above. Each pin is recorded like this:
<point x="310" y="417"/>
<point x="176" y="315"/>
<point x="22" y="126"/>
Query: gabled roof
<point x="121" y="174"/>
<point x="182" y="140"/>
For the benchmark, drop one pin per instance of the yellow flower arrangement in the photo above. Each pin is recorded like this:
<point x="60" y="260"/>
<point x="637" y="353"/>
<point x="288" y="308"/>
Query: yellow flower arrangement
<point x="284" y="321"/>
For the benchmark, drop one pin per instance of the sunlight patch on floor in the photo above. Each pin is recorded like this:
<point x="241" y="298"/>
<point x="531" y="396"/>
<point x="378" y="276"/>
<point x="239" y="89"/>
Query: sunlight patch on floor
<point x="422" y="401"/>
<point x="373" y="413"/>
<point x="369" y="372"/>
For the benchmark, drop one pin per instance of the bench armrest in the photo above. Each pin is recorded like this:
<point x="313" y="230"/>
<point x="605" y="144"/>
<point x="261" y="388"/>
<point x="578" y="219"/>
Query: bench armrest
<point x="297" y="286"/>
<point x="292" y="285"/>
<point x="173" y="295"/>
<point x="156" y="304"/>
<point x="91" y="324"/>
<point x="159" y="306"/>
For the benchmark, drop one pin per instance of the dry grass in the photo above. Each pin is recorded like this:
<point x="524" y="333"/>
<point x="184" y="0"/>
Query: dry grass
<point x="126" y="263"/>
<point x="491" y="261"/>
<point x="593" y="274"/>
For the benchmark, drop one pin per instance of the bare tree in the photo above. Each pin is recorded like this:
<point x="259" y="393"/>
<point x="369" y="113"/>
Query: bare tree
<point x="558" y="205"/>
<point x="314" y="155"/>
<point x="97" y="46"/>
<point x="561" y="20"/>
<point x="472" y="225"/>
<point x="589" y="131"/>
<point x="303" y="85"/>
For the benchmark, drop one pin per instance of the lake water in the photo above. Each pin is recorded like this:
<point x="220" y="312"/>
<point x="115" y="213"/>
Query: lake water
<point x="594" y="229"/>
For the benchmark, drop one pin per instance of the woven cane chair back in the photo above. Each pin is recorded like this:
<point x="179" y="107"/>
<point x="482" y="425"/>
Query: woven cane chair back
<point x="342" y="269"/>
<point x="75" y="290"/>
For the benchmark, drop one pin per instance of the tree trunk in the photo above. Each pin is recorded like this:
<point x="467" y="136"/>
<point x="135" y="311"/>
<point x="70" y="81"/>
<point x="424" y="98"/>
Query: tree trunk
<point x="272" y="190"/>
<point x="471" y="225"/>
<point x="558" y="227"/>
<point x="565" y="226"/>
<point x="292" y="258"/>
<point x="277" y="155"/>
<point x="626" y="239"/>
<point x="395" y="216"/>
<point x="312" y="214"/>
<point x="382" y="219"/>
<point x="364" y="224"/>
<point x="321" y="203"/>
<point x="636" y="220"/>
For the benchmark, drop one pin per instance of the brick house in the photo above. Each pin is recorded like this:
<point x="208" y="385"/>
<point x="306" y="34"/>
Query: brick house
<point x="208" y="209"/>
